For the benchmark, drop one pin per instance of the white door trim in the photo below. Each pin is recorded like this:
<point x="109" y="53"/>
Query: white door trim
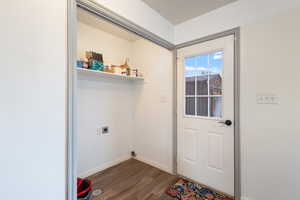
<point x="212" y="148"/>
<point x="236" y="33"/>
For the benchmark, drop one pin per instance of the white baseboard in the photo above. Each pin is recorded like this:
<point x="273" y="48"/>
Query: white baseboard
<point x="155" y="164"/>
<point x="104" y="166"/>
<point x="245" y="198"/>
<point x="122" y="159"/>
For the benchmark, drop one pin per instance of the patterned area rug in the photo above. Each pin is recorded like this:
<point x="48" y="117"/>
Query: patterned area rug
<point x="185" y="190"/>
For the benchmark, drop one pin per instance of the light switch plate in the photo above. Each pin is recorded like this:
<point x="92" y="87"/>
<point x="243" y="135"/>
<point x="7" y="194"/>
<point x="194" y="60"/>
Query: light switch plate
<point x="267" y="99"/>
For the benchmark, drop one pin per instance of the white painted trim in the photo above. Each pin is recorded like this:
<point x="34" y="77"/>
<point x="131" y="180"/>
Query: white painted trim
<point x="123" y="159"/>
<point x="155" y="164"/>
<point x="104" y="166"/>
<point x="237" y="159"/>
<point x="245" y="198"/>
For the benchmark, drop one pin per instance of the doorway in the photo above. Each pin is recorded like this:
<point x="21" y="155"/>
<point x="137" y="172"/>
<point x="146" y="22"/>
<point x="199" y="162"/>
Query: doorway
<point x="121" y="22"/>
<point x="206" y="113"/>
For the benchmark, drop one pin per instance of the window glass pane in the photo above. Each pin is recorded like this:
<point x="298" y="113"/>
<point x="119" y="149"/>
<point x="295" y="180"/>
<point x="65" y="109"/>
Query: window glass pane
<point x="215" y="106"/>
<point x="190" y="105"/>
<point x="202" y="106"/>
<point x="215" y="82"/>
<point x="190" y="85"/>
<point x="196" y="65"/>
<point x="202" y="86"/>
<point x="203" y="76"/>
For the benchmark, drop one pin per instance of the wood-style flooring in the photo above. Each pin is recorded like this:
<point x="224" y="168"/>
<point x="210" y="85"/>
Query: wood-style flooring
<point x="132" y="180"/>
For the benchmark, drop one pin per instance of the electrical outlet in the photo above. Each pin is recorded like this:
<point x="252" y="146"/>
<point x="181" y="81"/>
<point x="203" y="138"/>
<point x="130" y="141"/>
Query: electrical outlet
<point x="133" y="154"/>
<point x="102" y="130"/>
<point x="105" y="130"/>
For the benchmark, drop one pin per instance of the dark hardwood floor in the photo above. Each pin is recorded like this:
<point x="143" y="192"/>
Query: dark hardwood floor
<point x="132" y="180"/>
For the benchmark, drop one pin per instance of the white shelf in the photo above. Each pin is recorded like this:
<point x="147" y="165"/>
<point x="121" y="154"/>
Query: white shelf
<point x="107" y="74"/>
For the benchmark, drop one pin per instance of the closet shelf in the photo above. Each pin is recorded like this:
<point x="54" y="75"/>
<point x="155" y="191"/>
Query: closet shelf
<point x="107" y="75"/>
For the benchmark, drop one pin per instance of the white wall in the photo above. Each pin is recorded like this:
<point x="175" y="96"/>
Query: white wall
<point x="141" y="14"/>
<point x="270" y="137"/>
<point x="33" y="101"/>
<point x="115" y="50"/>
<point x="153" y="112"/>
<point x="102" y="102"/>
<point x="271" y="133"/>
<point x="233" y="15"/>
<point x="139" y="114"/>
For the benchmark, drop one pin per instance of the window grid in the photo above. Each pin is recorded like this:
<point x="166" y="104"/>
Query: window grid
<point x="209" y="96"/>
<point x="208" y="86"/>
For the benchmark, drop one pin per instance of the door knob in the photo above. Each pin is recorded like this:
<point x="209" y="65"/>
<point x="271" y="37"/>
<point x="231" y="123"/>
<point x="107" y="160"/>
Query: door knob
<point x="226" y="122"/>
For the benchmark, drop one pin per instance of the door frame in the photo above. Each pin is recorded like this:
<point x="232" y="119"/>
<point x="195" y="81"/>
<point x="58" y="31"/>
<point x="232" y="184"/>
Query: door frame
<point x="110" y="16"/>
<point x="235" y="32"/>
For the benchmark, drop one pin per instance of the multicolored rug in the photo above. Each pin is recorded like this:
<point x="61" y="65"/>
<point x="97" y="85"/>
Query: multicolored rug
<point x="186" y="190"/>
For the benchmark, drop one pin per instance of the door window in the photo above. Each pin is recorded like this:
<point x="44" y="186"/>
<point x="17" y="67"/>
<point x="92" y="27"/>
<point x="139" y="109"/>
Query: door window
<point x="203" y="85"/>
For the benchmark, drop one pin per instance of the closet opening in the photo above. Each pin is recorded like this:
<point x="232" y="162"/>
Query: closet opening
<point x="124" y="103"/>
<point x="123" y="110"/>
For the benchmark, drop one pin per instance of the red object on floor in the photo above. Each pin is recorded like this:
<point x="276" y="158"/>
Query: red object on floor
<point x="84" y="186"/>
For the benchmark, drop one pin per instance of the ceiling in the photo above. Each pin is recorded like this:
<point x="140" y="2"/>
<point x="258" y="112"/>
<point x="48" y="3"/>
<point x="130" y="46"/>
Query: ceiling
<point x="178" y="11"/>
<point x="96" y="22"/>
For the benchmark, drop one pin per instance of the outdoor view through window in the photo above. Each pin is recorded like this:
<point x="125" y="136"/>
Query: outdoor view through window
<point x="203" y="85"/>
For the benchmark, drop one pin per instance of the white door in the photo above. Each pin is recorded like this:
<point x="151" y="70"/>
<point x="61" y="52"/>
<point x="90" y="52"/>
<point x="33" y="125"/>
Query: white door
<point x="206" y="113"/>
